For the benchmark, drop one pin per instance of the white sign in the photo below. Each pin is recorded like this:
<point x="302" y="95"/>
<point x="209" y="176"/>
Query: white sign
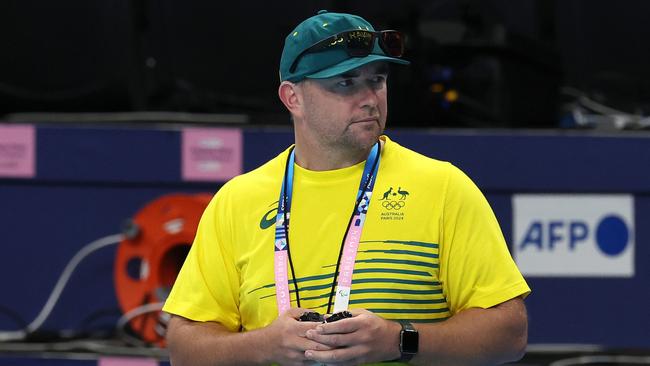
<point x="574" y="235"/>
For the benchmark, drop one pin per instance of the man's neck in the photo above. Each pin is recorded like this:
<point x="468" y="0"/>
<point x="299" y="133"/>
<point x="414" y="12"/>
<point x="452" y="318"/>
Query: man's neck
<point x="320" y="159"/>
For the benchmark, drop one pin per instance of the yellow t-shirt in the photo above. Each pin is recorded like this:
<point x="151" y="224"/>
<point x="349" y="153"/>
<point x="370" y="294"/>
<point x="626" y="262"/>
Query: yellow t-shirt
<point x="430" y="248"/>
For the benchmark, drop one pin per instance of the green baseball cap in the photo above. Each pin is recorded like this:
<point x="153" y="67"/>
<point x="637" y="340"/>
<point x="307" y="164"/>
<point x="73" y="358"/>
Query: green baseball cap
<point x="330" y="61"/>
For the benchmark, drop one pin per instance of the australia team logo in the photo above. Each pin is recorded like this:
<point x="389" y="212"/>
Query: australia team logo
<point x="393" y="202"/>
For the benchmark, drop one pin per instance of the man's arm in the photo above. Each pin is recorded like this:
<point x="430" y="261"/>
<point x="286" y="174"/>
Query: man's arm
<point x="477" y="336"/>
<point x="472" y="337"/>
<point x="209" y="343"/>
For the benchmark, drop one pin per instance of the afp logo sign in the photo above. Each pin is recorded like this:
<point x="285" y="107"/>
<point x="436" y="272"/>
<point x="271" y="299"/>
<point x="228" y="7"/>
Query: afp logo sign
<point x="574" y="235"/>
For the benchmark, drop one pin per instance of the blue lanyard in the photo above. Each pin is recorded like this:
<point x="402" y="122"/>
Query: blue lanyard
<point x="357" y="219"/>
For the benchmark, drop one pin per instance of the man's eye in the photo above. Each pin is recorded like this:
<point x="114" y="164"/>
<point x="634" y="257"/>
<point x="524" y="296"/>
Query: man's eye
<point x="379" y="79"/>
<point x="345" y="83"/>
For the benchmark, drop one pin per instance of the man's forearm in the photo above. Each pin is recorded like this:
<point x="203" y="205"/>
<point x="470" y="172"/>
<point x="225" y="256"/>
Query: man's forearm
<point x="476" y="337"/>
<point x="198" y="344"/>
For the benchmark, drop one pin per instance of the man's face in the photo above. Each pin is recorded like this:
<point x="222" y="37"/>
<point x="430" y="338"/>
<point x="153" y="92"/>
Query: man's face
<point x="346" y="111"/>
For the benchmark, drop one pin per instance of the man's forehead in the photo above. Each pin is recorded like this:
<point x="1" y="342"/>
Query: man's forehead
<point x="372" y="68"/>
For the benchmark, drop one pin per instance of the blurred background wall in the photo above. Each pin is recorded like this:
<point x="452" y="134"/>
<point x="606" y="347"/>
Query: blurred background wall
<point x="492" y="63"/>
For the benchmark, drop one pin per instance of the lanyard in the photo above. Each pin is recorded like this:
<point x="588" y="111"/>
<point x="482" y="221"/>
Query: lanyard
<point x="350" y="244"/>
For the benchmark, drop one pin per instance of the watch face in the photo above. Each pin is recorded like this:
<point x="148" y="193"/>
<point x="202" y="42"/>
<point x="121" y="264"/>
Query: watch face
<point x="409" y="341"/>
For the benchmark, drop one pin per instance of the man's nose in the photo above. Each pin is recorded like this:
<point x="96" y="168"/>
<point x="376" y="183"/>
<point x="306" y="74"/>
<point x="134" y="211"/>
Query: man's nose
<point x="369" y="95"/>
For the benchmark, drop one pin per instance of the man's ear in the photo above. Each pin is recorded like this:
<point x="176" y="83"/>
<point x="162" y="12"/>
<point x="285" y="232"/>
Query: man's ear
<point x="289" y="94"/>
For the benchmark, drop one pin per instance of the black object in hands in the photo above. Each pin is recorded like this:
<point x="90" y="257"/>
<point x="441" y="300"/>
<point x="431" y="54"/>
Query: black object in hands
<point x="311" y="316"/>
<point x="338" y="316"/>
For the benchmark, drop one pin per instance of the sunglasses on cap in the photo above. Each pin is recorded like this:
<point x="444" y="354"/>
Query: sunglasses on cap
<point x="358" y="43"/>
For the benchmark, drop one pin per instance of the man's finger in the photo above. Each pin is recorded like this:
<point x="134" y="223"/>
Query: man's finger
<point x="332" y="340"/>
<point x="335" y="356"/>
<point x="308" y="344"/>
<point x="341" y="326"/>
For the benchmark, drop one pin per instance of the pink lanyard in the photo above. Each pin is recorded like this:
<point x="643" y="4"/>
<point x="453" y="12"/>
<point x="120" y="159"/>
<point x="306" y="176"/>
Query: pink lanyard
<point x="350" y="245"/>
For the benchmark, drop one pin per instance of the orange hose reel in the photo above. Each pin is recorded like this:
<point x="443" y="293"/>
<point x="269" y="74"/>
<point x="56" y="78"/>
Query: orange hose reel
<point x="149" y="259"/>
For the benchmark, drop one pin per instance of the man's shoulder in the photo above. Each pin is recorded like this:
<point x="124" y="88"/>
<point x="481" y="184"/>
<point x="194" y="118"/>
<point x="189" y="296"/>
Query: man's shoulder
<point x="408" y="158"/>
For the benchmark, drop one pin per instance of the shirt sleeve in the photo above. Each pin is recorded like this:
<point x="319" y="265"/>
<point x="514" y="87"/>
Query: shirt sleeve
<point x="207" y="286"/>
<point x="476" y="267"/>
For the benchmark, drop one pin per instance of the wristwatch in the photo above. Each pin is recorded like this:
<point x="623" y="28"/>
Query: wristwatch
<point x="408" y="341"/>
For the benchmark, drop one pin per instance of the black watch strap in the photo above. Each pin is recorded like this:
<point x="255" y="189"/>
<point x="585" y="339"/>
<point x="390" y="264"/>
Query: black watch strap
<point x="408" y="341"/>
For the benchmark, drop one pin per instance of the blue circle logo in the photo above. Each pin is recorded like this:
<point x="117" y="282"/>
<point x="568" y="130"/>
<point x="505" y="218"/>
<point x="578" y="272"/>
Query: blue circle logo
<point x="612" y="235"/>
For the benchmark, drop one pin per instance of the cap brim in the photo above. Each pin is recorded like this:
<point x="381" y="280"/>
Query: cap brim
<point x="353" y="63"/>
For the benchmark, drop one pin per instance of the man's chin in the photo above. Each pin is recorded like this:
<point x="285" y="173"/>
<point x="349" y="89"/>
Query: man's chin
<point x="365" y="139"/>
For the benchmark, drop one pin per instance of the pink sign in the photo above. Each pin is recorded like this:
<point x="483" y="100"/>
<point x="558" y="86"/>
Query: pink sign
<point x="17" y="151"/>
<point x="211" y="154"/>
<point x="126" y="361"/>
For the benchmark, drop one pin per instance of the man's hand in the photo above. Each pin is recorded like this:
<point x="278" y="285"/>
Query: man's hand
<point x="286" y="340"/>
<point x="363" y="338"/>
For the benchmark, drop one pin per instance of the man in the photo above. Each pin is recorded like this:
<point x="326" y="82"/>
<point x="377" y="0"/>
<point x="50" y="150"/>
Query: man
<point x="421" y="264"/>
